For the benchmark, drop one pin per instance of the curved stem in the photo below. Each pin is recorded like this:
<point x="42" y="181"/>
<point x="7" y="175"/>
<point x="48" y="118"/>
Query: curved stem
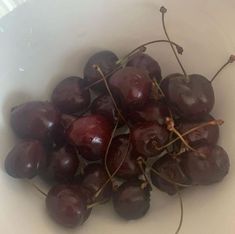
<point x="166" y="178"/>
<point x="213" y="122"/>
<point x="115" y="172"/>
<point x="181" y="211"/>
<point x="110" y="93"/>
<point x="139" y="49"/>
<point x="142" y="49"/>
<point x="230" y="60"/>
<point x="107" y="150"/>
<point x="146" y="179"/>
<point x="163" y="10"/>
<point x="101" y="80"/>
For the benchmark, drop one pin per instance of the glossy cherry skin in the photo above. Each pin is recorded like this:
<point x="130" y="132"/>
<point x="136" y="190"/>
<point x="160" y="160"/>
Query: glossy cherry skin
<point x="117" y="151"/>
<point x="192" y="99"/>
<point x="56" y="139"/>
<point x="62" y="164"/>
<point x="169" y="168"/>
<point x="34" y="120"/>
<point x="147" y="63"/>
<point x="26" y="160"/>
<point x="130" y="201"/>
<point x="153" y="111"/>
<point x="146" y="137"/>
<point x="103" y="105"/>
<point x="106" y="60"/>
<point x="207" y="166"/>
<point x="131" y="87"/>
<point x="208" y="134"/>
<point x="67" y="206"/>
<point x="93" y="179"/>
<point x="70" y="96"/>
<point x="91" y="134"/>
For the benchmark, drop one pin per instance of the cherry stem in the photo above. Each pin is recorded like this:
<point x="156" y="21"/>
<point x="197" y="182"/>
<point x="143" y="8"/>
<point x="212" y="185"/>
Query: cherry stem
<point x="165" y="177"/>
<point x="139" y="49"/>
<point x="92" y="205"/>
<point x="37" y="188"/>
<point x="163" y="10"/>
<point x="171" y="127"/>
<point x="158" y="87"/>
<point x="163" y="95"/>
<point x="107" y="151"/>
<point x="146" y="179"/>
<point x="101" y="80"/>
<point x="142" y="49"/>
<point x="230" y="60"/>
<point x="213" y="122"/>
<point x="98" y="69"/>
<point x="115" y="172"/>
<point x="181" y="210"/>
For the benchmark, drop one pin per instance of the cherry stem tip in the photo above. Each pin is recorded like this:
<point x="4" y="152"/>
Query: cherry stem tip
<point x="163" y="10"/>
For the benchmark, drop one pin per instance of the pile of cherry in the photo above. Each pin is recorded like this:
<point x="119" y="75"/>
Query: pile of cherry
<point x="72" y="141"/>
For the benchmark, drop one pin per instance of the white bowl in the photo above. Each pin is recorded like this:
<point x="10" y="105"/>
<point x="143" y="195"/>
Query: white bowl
<point x="44" y="41"/>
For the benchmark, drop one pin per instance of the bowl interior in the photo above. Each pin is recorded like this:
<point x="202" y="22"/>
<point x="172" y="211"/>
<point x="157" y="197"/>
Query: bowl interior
<point x="42" y="42"/>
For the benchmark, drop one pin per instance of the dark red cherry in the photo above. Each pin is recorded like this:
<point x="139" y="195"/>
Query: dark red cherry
<point x="169" y="168"/>
<point x="26" y="159"/>
<point x="106" y="60"/>
<point x="56" y="139"/>
<point x="147" y="63"/>
<point x="86" y="195"/>
<point x="117" y="151"/>
<point x="62" y="164"/>
<point x="131" y="201"/>
<point x="147" y="137"/>
<point x="93" y="179"/>
<point x="67" y="206"/>
<point x="208" y="134"/>
<point x="191" y="99"/>
<point x="70" y="96"/>
<point x="209" y="165"/>
<point x="153" y="111"/>
<point x="103" y="105"/>
<point x="34" y="120"/>
<point x="91" y="134"/>
<point x="131" y="87"/>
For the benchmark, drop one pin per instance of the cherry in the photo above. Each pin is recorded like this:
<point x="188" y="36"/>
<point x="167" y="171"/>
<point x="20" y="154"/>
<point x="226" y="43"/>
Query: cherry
<point x="208" y="134"/>
<point x="210" y="164"/>
<point x="26" y="159"/>
<point x="147" y="63"/>
<point x="117" y="151"/>
<point x="67" y="206"/>
<point x="62" y="164"/>
<point x="103" y="105"/>
<point x="107" y="61"/>
<point x="131" y="201"/>
<point x="34" y="120"/>
<point x="93" y="179"/>
<point x="91" y="134"/>
<point x="148" y="137"/>
<point x="169" y="168"/>
<point x="131" y="87"/>
<point x="70" y="96"/>
<point x="191" y="98"/>
<point x="153" y="111"/>
<point x="56" y="139"/>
